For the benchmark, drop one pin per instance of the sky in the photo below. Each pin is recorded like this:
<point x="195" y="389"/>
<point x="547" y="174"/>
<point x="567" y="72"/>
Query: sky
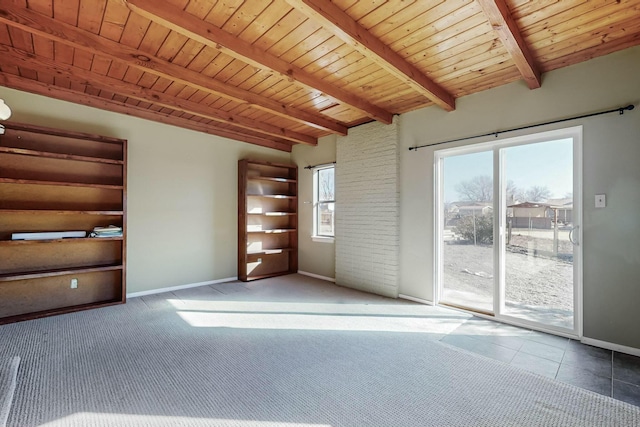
<point x="547" y="164"/>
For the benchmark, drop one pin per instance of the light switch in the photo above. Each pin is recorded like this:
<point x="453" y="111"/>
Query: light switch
<point x="601" y="201"/>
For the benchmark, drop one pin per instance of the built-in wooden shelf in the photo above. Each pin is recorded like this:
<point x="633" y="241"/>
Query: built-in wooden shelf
<point x="266" y="276"/>
<point x="55" y="241"/>
<point x="62" y="310"/>
<point x="50" y="181"/>
<point x="60" y="183"/>
<point x="274" y="231"/>
<point x="267" y="218"/>
<point x="270" y="178"/>
<point x="273" y="213"/>
<point x="34" y="153"/>
<point x="273" y="196"/>
<point x="58" y="272"/>
<point x="59" y="212"/>
<point x="271" y="251"/>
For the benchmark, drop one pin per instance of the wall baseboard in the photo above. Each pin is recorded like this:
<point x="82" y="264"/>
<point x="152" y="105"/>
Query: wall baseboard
<point x="177" y="288"/>
<point x="611" y="346"/>
<point x="414" y="299"/>
<point x="317" y="276"/>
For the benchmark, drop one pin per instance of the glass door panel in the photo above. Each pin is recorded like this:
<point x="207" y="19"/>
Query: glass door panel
<point x="467" y="260"/>
<point x="538" y="252"/>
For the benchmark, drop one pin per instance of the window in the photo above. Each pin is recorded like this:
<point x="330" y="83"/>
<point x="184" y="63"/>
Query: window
<point x="324" y="203"/>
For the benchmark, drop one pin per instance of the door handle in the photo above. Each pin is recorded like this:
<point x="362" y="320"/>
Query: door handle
<point x="576" y="243"/>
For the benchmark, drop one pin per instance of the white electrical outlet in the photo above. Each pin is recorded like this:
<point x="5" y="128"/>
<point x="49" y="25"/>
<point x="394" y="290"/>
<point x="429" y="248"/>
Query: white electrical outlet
<point x="74" y="283"/>
<point x="601" y="201"/>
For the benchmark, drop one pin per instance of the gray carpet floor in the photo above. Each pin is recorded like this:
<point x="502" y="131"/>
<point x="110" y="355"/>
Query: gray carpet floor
<point x="286" y="352"/>
<point x="8" y="381"/>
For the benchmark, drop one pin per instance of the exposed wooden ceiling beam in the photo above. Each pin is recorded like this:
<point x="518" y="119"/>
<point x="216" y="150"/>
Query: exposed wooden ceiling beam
<point x="174" y="18"/>
<point x="20" y="58"/>
<point x="503" y="23"/>
<point x="332" y="18"/>
<point x="30" y="21"/>
<point x="39" y="88"/>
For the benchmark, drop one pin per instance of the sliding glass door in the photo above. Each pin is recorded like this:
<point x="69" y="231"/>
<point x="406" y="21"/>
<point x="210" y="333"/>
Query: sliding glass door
<point x="538" y="252"/>
<point x="508" y="229"/>
<point x="467" y="231"/>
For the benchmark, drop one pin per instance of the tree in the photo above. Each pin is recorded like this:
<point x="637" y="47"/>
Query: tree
<point x="513" y="192"/>
<point x="326" y="184"/>
<point x="480" y="232"/>
<point x="537" y="193"/>
<point x="480" y="189"/>
<point x="477" y="189"/>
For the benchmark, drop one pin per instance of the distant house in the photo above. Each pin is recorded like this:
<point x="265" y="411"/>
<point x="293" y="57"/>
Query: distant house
<point x="531" y="215"/>
<point x="457" y="210"/>
<point x="461" y="209"/>
<point x="564" y="209"/>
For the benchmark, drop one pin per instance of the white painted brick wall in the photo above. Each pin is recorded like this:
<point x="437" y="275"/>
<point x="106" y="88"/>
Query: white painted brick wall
<point x="368" y="209"/>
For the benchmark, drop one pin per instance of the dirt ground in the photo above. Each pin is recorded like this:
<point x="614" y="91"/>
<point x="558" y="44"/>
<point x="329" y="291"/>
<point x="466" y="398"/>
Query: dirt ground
<point x="538" y="287"/>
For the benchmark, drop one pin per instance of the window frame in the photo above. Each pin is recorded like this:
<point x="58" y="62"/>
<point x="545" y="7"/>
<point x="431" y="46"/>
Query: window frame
<point x="315" y="234"/>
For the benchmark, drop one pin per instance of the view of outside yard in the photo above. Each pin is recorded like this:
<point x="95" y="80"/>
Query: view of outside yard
<point x="325" y="204"/>
<point x="540" y="286"/>
<point x="538" y="253"/>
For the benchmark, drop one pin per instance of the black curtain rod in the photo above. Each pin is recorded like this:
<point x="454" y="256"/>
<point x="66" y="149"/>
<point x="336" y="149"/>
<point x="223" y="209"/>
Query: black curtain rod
<point x="321" y="164"/>
<point x="620" y="110"/>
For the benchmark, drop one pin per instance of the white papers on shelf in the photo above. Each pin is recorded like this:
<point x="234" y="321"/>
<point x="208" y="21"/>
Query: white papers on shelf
<point x="110" y="231"/>
<point x="49" y="235"/>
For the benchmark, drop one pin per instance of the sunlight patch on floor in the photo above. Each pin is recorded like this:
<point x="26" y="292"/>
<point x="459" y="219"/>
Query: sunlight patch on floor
<point x="398" y="309"/>
<point x="102" y="419"/>
<point x="320" y="322"/>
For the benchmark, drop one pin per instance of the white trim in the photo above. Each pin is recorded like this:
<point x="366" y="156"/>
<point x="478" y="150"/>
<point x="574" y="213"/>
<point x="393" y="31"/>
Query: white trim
<point x="323" y="239"/>
<point x="314" y="229"/>
<point x="317" y="276"/>
<point x="499" y="221"/>
<point x="578" y="215"/>
<point x="611" y="346"/>
<point x="414" y="299"/>
<point x="499" y="205"/>
<point x="177" y="288"/>
<point x="438" y="225"/>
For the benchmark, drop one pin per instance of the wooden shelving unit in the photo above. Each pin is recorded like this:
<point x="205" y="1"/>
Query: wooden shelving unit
<point x="53" y="180"/>
<point x="267" y="219"/>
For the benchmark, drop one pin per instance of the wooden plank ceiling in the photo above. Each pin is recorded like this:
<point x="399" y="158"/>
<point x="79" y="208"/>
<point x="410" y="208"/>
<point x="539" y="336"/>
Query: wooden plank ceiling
<point x="282" y="72"/>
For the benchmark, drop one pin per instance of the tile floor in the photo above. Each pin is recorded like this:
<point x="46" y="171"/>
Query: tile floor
<point x="602" y="371"/>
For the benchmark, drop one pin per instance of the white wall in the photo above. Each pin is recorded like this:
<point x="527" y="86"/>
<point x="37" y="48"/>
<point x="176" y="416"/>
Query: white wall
<point x="367" y="209"/>
<point x="182" y="190"/>
<point x="611" y="157"/>
<point x="317" y="258"/>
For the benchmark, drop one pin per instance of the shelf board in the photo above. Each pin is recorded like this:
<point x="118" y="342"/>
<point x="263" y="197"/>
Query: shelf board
<point x="274" y="231"/>
<point x="264" y="276"/>
<point x="59" y="183"/>
<point x="34" y="153"/>
<point x="57" y="272"/>
<point x="270" y="178"/>
<point x="272" y="213"/>
<point x="271" y="251"/>
<point x="60" y="212"/>
<point x="69" y="240"/>
<point x="273" y="196"/>
<point x="62" y="310"/>
<point x="271" y="164"/>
